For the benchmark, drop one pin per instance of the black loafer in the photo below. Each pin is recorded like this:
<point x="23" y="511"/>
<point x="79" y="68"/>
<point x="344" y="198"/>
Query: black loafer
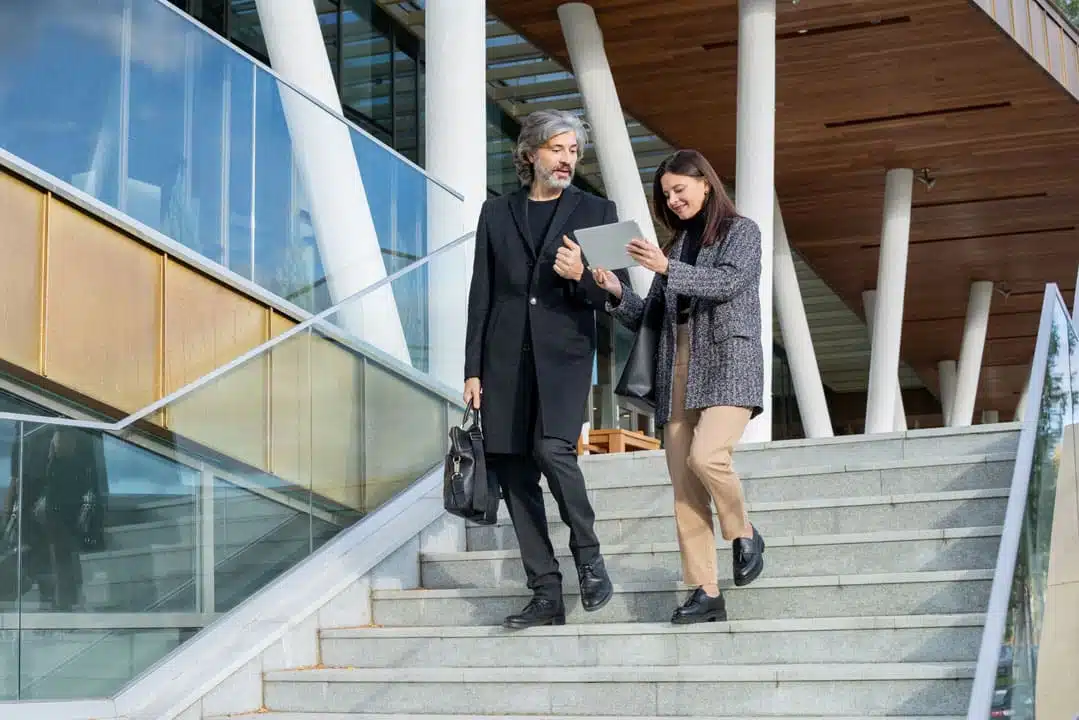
<point x="596" y="588"/>
<point x="748" y="558"/>
<point x="699" y="607"/>
<point x="539" y="611"/>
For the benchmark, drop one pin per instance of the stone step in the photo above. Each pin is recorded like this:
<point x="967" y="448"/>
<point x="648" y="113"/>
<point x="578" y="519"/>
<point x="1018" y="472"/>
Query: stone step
<point x="740" y="690"/>
<point x="651" y="491"/>
<point x="915" y="638"/>
<point x="925" y="511"/>
<point x="962" y="591"/>
<point x="790" y="455"/>
<point x="799" y="556"/>
<point x="366" y="716"/>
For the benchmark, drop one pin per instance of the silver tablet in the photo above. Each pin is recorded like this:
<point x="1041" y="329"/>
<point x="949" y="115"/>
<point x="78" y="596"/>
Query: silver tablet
<point x="604" y="246"/>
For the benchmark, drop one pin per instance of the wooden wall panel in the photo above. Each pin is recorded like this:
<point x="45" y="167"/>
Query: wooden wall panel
<point x="290" y="404"/>
<point x="400" y="450"/>
<point x="21" y="236"/>
<point x="316" y="398"/>
<point x="338" y="410"/>
<point x="206" y="325"/>
<point x="230" y="414"/>
<point x="103" y="311"/>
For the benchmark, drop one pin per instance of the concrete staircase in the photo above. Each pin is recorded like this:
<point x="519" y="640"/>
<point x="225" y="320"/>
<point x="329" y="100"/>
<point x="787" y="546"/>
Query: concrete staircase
<point x="879" y="564"/>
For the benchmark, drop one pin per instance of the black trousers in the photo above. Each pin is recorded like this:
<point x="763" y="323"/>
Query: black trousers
<point x="519" y="477"/>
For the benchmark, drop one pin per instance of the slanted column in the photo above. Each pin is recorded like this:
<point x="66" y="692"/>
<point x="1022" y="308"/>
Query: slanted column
<point x="1021" y="406"/>
<point x="970" y="353"/>
<point x="324" y="155"/>
<point x="455" y="93"/>
<point x="891" y="285"/>
<point x="794" y="326"/>
<point x="869" y="302"/>
<point x="946" y="371"/>
<point x="617" y="164"/>
<point x="755" y="165"/>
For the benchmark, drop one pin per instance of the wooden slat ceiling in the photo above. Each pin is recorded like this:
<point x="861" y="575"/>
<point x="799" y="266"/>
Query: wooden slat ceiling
<point x="863" y="86"/>
<point x="840" y="334"/>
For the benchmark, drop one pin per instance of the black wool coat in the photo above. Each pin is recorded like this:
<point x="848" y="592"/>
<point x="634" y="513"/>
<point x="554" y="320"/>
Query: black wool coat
<point x="517" y="298"/>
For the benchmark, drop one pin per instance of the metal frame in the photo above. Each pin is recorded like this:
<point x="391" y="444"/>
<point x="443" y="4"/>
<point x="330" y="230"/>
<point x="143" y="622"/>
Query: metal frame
<point x="981" y="693"/>
<point x="266" y="68"/>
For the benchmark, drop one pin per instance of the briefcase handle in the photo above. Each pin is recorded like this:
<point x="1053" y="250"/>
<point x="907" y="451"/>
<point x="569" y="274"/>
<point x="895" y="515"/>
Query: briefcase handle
<point x="474" y="414"/>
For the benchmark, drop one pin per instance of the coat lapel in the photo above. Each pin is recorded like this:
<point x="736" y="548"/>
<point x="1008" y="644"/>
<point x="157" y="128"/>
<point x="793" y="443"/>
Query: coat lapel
<point x="519" y="211"/>
<point x="571" y="196"/>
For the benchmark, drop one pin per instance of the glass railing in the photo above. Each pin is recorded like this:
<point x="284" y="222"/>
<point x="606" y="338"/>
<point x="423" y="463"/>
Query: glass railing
<point x="1006" y="677"/>
<point x="148" y="112"/>
<point x="120" y="541"/>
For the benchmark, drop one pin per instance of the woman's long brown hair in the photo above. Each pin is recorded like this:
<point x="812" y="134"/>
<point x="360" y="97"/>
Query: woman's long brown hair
<point x="718" y="208"/>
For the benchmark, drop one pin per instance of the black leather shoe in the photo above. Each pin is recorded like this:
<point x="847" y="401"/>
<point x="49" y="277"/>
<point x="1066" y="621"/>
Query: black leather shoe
<point x="699" y="607"/>
<point x="539" y="611"/>
<point x="596" y="588"/>
<point x="748" y="558"/>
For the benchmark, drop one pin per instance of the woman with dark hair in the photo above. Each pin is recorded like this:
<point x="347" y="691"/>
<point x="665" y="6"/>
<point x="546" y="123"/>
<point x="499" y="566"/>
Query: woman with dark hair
<point x="709" y="366"/>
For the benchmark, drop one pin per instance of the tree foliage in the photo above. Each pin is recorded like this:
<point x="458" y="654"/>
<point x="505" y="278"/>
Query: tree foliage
<point x="1070" y="8"/>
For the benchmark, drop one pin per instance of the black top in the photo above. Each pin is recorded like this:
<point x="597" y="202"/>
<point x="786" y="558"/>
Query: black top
<point x="691" y="247"/>
<point x="540" y="214"/>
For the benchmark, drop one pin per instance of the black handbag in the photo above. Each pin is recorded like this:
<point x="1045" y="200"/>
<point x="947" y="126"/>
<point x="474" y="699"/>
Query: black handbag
<point x="638" y="381"/>
<point x="468" y="490"/>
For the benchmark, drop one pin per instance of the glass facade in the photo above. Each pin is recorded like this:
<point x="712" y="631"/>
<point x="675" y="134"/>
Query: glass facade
<point x="146" y="112"/>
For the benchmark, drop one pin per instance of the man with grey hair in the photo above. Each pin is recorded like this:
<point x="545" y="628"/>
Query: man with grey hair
<point x="529" y="353"/>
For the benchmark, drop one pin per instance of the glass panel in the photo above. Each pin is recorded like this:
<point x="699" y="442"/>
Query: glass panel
<point x="157" y="117"/>
<point x="127" y="544"/>
<point x="1016" y="677"/>
<point x="367" y="73"/>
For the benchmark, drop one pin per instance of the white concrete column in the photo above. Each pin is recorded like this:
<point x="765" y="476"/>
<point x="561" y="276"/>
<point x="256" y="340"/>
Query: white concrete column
<point x="455" y="37"/>
<point x="617" y="164"/>
<point x="794" y="326"/>
<point x="891" y="285"/>
<point x="755" y="165"/>
<point x="990" y="417"/>
<point x="869" y="302"/>
<point x="323" y="151"/>
<point x="1021" y="406"/>
<point x="970" y="353"/>
<point x="946" y="371"/>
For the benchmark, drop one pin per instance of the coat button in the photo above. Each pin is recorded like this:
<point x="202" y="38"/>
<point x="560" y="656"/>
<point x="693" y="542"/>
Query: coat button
<point x="532" y="301"/>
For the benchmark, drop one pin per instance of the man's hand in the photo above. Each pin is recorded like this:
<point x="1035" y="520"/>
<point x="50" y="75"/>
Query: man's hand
<point x="473" y="391"/>
<point x="567" y="262"/>
<point x="608" y="281"/>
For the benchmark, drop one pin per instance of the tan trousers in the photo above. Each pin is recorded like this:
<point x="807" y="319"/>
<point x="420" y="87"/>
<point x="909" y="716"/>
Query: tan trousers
<point x="699" y="445"/>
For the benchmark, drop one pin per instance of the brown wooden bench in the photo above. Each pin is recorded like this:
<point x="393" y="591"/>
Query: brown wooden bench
<point x="602" y="441"/>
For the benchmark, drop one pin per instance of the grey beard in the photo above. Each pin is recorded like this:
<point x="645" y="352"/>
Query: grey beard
<point x="547" y="178"/>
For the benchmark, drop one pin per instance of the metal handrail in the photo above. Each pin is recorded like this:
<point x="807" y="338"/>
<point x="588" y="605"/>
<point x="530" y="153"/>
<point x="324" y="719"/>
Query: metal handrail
<point x="336" y="114"/>
<point x="985" y="674"/>
<point x="314" y="320"/>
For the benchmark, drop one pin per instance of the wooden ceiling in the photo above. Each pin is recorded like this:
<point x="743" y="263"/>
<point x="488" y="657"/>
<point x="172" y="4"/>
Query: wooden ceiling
<point x="871" y="85"/>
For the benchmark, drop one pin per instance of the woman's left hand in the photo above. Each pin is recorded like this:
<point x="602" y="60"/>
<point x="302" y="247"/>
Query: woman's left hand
<point x="648" y="255"/>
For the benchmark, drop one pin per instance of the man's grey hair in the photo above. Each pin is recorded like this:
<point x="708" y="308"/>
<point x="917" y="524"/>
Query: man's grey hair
<point x="539" y="127"/>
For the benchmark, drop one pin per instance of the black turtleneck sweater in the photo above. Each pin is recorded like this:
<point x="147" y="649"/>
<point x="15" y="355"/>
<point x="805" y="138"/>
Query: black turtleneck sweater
<point x="691" y="246"/>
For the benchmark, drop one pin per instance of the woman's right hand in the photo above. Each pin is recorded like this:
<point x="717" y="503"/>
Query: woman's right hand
<point x="473" y="391"/>
<point x="608" y="281"/>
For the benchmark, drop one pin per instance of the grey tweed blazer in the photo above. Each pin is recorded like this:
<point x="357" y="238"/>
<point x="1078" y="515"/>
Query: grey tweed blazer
<point x="726" y="360"/>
